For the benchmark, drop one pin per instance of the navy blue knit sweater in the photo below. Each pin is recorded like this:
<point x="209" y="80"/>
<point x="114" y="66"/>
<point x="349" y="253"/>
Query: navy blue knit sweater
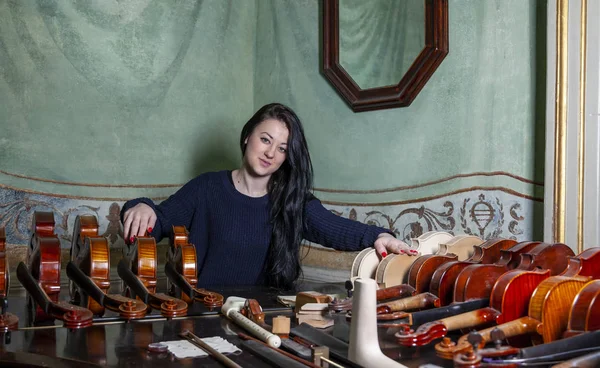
<point x="231" y="231"/>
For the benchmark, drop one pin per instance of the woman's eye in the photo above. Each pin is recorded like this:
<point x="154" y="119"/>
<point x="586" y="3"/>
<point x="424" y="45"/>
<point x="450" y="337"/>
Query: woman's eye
<point x="282" y="150"/>
<point x="264" y="140"/>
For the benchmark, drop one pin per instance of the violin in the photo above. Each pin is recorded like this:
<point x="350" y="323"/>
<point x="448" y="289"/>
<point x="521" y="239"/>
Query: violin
<point x="141" y="259"/>
<point x="476" y="281"/>
<point x="546" y="320"/>
<point x="444" y="278"/>
<point x="513" y="290"/>
<point x="585" y="312"/>
<point x="8" y="321"/>
<point x="182" y="255"/>
<point x="91" y="254"/>
<point x="394" y="269"/>
<point x="43" y="260"/>
<point x="71" y="315"/>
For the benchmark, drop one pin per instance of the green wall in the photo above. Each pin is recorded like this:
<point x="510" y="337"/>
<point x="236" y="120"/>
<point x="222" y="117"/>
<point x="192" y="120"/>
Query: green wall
<point x="124" y="98"/>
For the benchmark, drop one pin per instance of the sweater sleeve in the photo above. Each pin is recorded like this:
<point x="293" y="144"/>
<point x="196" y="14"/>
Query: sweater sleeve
<point x="330" y="230"/>
<point x="178" y="209"/>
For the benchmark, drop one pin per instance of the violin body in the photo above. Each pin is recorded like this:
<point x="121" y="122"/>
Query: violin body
<point x="182" y="255"/>
<point x="444" y="278"/>
<point x="422" y="269"/>
<point x="461" y="245"/>
<point x="393" y="270"/>
<point x="477" y="281"/>
<point x="4" y="272"/>
<point x="587" y="263"/>
<point x="585" y="312"/>
<point x="91" y="254"/>
<point x="43" y="260"/>
<point x="429" y="242"/>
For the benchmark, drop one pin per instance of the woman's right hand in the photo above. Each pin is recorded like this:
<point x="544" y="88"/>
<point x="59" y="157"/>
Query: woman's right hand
<point x="137" y="220"/>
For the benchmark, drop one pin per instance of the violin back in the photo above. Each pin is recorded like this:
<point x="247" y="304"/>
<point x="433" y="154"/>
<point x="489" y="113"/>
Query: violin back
<point x="429" y="242"/>
<point x="512" y="292"/>
<point x="422" y="269"/>
<point x="4" y="272"/>
<point x="461" y="245"/>
<point x="393" y="270"/>
<point x="365" y="264"/>
<point x="587" y="263"/>
<point x="585" y="312"/>
<point x="444" y="278"/>
<point x="476" y="281"/>
<point x="550" y="304"/>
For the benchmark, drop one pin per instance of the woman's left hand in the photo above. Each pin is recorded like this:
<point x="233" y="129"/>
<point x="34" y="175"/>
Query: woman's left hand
<point x="386" y="244"/>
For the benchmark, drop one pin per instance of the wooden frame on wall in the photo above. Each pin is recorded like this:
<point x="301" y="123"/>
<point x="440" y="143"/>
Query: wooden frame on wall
<point x="401" y="94"/>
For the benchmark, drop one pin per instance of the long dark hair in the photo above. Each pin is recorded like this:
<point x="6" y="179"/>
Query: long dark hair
<point x="289" y="188"/>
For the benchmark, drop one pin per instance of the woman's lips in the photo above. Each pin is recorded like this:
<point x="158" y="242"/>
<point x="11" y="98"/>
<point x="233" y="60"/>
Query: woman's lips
<point x="264" y="163"/>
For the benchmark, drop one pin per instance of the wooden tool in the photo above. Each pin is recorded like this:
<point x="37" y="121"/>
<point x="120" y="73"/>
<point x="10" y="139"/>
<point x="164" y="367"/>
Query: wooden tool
<point x="71" y="315"/>
<point x="204" y="346"/>
<point x="90" y="253"/>
<point x="393" y="292"/>
<point x="8" y="321"/>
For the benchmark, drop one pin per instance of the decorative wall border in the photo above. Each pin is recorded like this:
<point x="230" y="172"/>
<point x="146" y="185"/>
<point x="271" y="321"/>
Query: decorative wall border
<point x="483" y="212"/>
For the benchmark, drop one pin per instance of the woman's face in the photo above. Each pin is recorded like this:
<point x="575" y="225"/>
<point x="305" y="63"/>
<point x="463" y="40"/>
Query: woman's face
<point x="266" y="147"/>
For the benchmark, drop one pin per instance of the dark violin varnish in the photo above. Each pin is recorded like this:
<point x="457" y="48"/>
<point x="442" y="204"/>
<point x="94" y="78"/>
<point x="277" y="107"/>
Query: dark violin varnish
<point x="585" y="312"/>
<point x="422" y="269"/>
<point x="443" y="279"/>
<point x="43" y="259"/>
<point x="477" y="281"/>
<point x="585" y="264"/>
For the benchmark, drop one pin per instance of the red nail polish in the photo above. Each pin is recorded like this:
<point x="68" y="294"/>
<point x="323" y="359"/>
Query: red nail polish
<point x="149" y="229"/>
<point x="384" y="254"/>
<point x="413" y="251"/>
<point x="131" y="240"/>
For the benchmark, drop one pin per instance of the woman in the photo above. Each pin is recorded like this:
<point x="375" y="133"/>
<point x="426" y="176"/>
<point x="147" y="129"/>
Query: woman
<point x="247" y="224"/>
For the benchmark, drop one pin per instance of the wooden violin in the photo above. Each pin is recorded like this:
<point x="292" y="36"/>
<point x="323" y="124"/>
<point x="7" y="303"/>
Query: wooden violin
<point x="421" y="270"/>
<point x="444" y="278"/>
<point x="476" y="281"/>
<point x="8" y="321"/>
<point x="393" y="270"/>
<point x="141" y="259"/>
<point x="182" y="255"/>
<point x="429" y="242"/>
<point x="511" y="292"/>
<point x="88" y="288"/>
<point x="585" y="312"/>
<point x="209" y="298"/>
<point x="546" y="320"/>
<point x="43" y="259"/>
<point x="71" y="315"/>
<point x="90" y="253"/>
<point x="508" y="301"/>
<point x="502" y="356"/>
<point x="168" y="306"/>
